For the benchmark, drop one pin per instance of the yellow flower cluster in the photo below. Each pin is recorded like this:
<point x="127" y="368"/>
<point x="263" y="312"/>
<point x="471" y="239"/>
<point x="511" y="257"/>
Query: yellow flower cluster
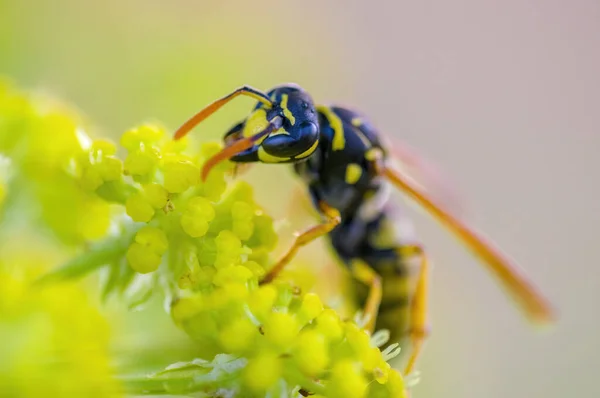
<point x="287" y="340"/>
<point x="215" y="241"/>
<point x="205" y="245"/>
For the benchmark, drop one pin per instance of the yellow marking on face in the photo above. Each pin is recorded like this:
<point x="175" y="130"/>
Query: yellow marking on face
<point x="256" y="122"/>
<point x="339" y="141"/>
<point x="273" y="97"/>
<point x="353" y="173"/>
<point x="356" y="122"/>
<point x="281" y="131"/>
<point x="309" y="151"/>
<point x="373" y="154"/>
<point x="265" y="157"/>
<point x="286" y="112"/>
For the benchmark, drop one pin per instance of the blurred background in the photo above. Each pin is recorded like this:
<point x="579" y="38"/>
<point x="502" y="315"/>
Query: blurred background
<point x="503" y="96"/>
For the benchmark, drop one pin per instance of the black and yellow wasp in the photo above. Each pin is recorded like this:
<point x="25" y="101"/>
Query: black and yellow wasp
<point x="347" y="169"/>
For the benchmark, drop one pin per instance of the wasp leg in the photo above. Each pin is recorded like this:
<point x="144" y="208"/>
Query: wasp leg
<point x="365" y="274"/>
<point x="419" y="325"/>
<point x="333" y="219"/>
<point x="231" y="137"/>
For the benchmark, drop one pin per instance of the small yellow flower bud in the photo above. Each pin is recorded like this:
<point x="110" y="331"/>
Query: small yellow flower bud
<point x="190" y="275"/>
<point x="209" y="149"/>
<point x="173" y="146"/>
<point x="229" y="249"/>
<point x="395" y="384"/>
<point x="256" y="269"/>
<point x="329" y="324"/>
<point x="195" y="227"/>
<point x="197" y="216"/>
<point x="153" y="238"/>
<point x="215" y="185"/>
<point x="146" y="134"/>
<point x="141" y="259"/>
<point x="145" y="254"/>
<point x="104" y="147"/>
<point x="156" y="195"/>
<point x="310" y="308"/>
<point x="346" y="380"/>
<point x="180" y="173"/>
<point x="185" y="308"/>
<point x="138" y="208"/>
<point x="234" y="291"/>
<point x="140" y="163"/>
<point x="359" y="341"/>
<point x="206" y="275"/>
<point x="262" y="372"/>
<point x="381" y="372"/>
<point x="110" y="169"/>
<point x="91" y="178"/>
<point x="281" y="329"/>
<point x="262" y="300"/>
<point x="150" y="133"/>
<point x="242" y="214"/>
<point x="238" y="336"/>
<point x="311" y="353"/>
<point x="232" y="274"/>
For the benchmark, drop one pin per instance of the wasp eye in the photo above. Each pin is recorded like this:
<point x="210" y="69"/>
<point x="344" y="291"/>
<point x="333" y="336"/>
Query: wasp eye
<point x="308" y="129"/>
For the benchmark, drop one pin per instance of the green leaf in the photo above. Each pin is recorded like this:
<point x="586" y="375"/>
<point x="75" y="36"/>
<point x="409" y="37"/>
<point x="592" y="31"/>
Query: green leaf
<point x="183" y="370"/>
<point x="143" y="385"/>
<point x="97" y="255"/>
<point x="188" y="377"/>
<point x="116" y="279"/>
<point x="139" y="291"/>
<point x="109" y="279"/>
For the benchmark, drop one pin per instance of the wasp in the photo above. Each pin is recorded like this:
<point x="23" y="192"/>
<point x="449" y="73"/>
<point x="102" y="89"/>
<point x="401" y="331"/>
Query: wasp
<point x="349" y="172"/>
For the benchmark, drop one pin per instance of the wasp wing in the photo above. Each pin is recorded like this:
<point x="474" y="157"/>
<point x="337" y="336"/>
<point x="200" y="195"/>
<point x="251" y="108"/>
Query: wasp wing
<point x="427" y="175"/>
<point x="535" y="307"/>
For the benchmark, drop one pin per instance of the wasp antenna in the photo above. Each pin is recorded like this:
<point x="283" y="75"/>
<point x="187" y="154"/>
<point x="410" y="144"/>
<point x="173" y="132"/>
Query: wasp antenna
<point x="216" y="105"/>
<point x="237" y="147"/>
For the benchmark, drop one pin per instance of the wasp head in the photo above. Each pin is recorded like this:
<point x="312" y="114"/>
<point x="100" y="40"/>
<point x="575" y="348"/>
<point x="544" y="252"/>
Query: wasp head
<point x="282" y="128"/>
<point x="287" y="129"/>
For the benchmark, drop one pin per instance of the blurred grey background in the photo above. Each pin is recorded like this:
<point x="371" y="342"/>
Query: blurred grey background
<point x="503" y="96"/>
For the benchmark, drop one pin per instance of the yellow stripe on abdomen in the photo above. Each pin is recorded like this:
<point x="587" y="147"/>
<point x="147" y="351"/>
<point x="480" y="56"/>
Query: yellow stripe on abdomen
<point x="398" y="289"/>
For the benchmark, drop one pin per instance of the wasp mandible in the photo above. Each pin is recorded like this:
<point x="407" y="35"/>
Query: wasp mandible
<point x="348" y="172"/>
